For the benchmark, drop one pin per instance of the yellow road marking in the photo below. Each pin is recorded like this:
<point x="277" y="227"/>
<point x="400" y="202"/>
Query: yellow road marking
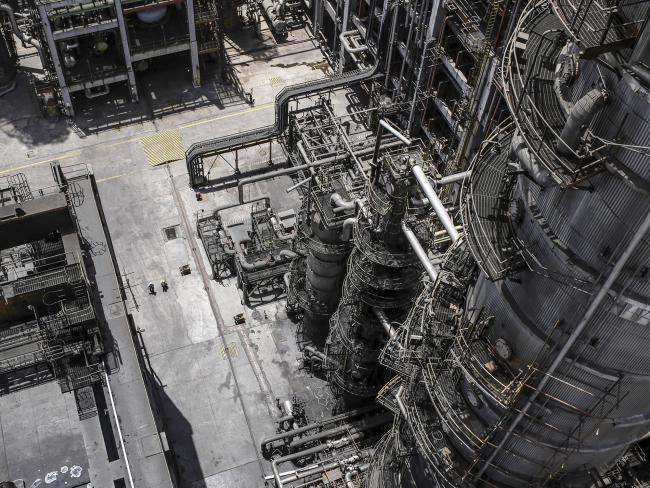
<point x="77" y="152"/>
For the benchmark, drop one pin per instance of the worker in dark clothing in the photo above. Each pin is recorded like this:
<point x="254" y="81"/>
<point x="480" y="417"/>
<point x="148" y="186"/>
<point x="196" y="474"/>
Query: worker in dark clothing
<point x="152" y="290"/>
<point x="164" y="286"/>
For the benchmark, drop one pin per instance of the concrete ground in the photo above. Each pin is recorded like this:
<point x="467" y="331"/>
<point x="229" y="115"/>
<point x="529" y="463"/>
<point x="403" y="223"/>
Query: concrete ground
<point x="215" y="382"/>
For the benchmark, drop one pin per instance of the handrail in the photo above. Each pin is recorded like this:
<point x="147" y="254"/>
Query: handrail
<point x="282" y="99"/>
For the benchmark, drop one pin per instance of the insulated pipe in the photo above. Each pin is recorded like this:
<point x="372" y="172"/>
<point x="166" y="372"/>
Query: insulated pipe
<point x="273" y="174"/>
<point x="343" y="37"/>
<point x="385" y="323"/>
<point x="346" y="230"/>
<point x="255" y="265"/>
<point x="20" y="34"/>
<point x="331" y="159"/>
<point x="316" y="425"/>
<point x="339" y="204"/>
<point x="363" y="424"/>
<point x="380" y="132"/>
<point x="580" y="116"/>
<point x="237" y="204"/>
<point x="435" y="202"/>
<point x="568" y="344"/>
<point x="287" y="254"/>
<point x="420" y="252"/>
<point x="455" y="178"/>
<point x="287" y="280"/>
<point x="321" y="355"/>
<point x="349" y="476"/>
<point x="519" y="151"/>
<point x="297" y="474"/>
<point x="343" y="441"/>
<point x="395" y="132"/>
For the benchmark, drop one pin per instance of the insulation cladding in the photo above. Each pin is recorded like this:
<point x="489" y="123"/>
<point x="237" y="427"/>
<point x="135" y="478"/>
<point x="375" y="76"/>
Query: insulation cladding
<point x="540" y="375"/>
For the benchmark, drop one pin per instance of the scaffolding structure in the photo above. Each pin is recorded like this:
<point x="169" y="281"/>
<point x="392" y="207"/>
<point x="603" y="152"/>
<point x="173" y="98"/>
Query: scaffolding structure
<point x="48" y="327"/>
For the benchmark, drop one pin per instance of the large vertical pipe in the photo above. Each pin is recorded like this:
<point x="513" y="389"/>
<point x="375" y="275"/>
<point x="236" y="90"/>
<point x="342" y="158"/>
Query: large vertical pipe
<point x="344" y="28"/>
<point x="419" y="252"/>
<point x="435" y="202"/>
<point x="589" y="313"/>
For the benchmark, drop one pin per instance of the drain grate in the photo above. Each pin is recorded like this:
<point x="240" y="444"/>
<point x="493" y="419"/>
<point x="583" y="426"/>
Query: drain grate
<point x="171" y="232"/>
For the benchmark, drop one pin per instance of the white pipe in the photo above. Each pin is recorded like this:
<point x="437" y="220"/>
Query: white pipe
<point x="449" y="179"/>
<point x="343" y="37"/>
<point x="340" y="204"/>
<point x="385" y="323"/>
<point x="119" y="430"/>
<point x="568" y="344"/>
<point x="350" y="475"/>
<point x="395" y="132"/>
<point x="346" y="230"/>
<point x="435" y="202"/>
<point x="420" y="252"/>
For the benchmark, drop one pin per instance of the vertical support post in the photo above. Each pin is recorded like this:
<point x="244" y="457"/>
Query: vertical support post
<point x="119" y="14"/>
<point x="270" y="153"/>
<point x="344" y="27"/>
<point x="237" y="161"/>
<point x="56" y="60"/>
<point x="318" y="10"/>
<point x="194" y="48"/>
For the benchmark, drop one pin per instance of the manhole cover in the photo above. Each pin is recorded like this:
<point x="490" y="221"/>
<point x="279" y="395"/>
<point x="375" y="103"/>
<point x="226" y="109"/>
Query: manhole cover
<point x="171" y="232"/>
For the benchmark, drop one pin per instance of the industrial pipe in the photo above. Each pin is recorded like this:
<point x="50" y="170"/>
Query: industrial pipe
<point x="343" y="37"/>
<point x="26" y="39"/>
<point x="340" y="204"/>
<point x="519" y="151"/>
<point x="435" y="202"/>
<point x="273" y="174"/>
<point x="395" y="132"/>
<point x="287" y="280"/>
<point x="579" y="118"/>
<point x="349" y="475"/>
<point x="343" y="441"/>
<point x="362" y="425"/>
<point x="455" y="178"/>
<point x="316" y="425"/>
<point x="420" y="252"/>
<point x="380" y="132"/>
<point x="237" y="204"/>
<point x="346" y="230"/>
<point x="297" y="474"/>
<point x="568" y="344"/>
<point x="385" y="323"/>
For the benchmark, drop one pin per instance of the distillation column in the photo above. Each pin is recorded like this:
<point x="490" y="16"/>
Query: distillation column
<point x="383" y="276"/>
<point x="540" y="377"/>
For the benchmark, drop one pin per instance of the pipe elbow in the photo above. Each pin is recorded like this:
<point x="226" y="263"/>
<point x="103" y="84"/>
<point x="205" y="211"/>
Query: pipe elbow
<point x="519" y="152"/>
<point x="580" y="116"/>
<point x="346" y="230"/>
<point x="340" y="204"/>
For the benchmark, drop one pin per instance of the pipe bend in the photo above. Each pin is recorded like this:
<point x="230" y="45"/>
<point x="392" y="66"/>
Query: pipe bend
<point x="346" y="230"/>
<point x="340" y="204"/>
<point x="579" y="118"/>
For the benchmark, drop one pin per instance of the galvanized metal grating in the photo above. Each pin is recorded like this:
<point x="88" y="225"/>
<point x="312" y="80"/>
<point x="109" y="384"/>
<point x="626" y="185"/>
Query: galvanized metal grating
<point x="163" y="147"/>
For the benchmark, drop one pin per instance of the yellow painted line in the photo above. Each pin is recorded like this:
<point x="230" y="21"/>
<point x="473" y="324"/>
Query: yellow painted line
<point x="67" y="155"/>
<point x="109" y="178"/>
<point x="77" y="152"/>
<point x="227" y="116"/>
